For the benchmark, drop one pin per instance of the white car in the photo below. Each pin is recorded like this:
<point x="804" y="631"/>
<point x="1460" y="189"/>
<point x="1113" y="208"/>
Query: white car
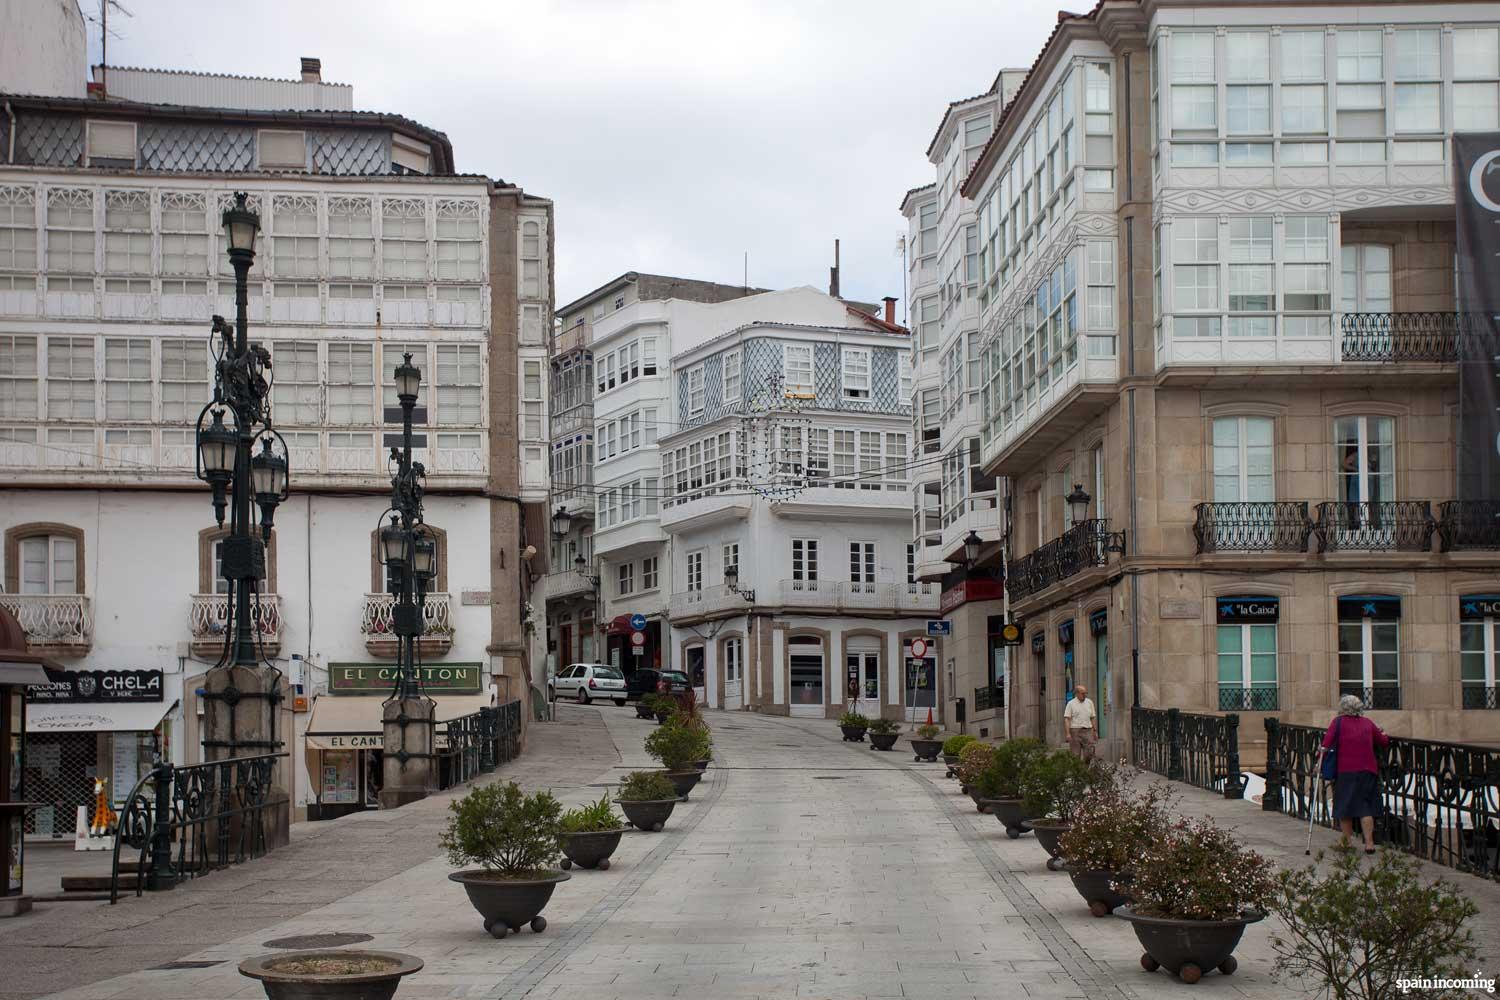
<point x="587" y="681"/>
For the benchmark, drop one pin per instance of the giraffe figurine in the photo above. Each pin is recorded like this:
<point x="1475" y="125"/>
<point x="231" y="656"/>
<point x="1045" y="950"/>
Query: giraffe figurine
<point x="105" y="818"/>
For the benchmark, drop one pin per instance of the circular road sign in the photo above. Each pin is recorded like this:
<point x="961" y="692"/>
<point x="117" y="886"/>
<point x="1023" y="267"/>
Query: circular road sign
<point x="637" y="638"/>
<point x="637" y="621"/>
<point x="919" y="648"/>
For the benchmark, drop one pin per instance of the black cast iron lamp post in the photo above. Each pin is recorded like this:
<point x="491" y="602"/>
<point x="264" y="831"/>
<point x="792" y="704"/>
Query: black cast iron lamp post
<point x="561" y="522"/>
<point x="972" y="541"/>
<point x="1078" y="503"/>
<point x="732" y="583"/>
<point x="581" y="566"/>
<point x="407" y="549"/>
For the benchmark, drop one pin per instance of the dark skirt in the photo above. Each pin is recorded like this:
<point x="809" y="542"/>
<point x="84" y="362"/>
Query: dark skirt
<point x="1356" y="794"/>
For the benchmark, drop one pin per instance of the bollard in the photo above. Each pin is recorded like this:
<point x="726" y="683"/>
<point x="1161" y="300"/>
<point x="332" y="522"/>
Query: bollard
<point x="161" y="874"/>
<point x="1234" y="780"/>
<point x="1272" y="800"/>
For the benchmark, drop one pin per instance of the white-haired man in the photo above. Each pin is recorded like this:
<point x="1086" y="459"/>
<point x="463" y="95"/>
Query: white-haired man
<point x="1081" y="721"/>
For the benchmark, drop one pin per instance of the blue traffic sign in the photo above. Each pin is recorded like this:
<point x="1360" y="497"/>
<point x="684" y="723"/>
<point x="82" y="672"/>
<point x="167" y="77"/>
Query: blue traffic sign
<point x="637" y="621"/>
<point x="939" y="626"/>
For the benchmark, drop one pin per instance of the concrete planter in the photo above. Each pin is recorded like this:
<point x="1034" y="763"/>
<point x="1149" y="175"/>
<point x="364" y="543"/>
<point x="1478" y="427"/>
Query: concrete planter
<point x="377" y="982"/>
<point x="883" y="741"/>
<point x="1049" y="835"/>
<point x="1008" y="812"/>
<point x="647" y="814"/>
<point x="1094" y="887"/>
<point x="684" y="781"/>
<point x="853" y="734"/>
<point x="1188" y="948"/>
<point x="927" y="750"/>
<point x="702" y="765"/>
<point x="507" y="904"/>
<point x="590" y="850"/>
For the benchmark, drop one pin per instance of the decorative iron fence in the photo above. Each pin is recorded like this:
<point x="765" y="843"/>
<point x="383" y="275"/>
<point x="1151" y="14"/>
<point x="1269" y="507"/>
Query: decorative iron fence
<point x="1380" y="525"/>
<point x="989" y="698"/>
<point x="1269" y="526"/>
<point x="1481" y="696"/>
<point x="1384" y="697"/>
<point x="1234" y="698"/>
<point x="1469" y="525"/>
<point x="188" y="821"/>
<point x="1441" y="801"/>
<point x="1202" y="750"/>
<point x="1415" y="336"/>
<point x="477" y="743"/>
<point x="1081" y="546"/>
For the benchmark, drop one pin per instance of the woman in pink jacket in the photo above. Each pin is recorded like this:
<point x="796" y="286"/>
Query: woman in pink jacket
<point x="1356" y="790"/>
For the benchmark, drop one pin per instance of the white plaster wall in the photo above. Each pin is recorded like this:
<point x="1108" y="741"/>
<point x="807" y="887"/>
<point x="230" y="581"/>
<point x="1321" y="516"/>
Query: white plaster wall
<point x="42" y="48"/>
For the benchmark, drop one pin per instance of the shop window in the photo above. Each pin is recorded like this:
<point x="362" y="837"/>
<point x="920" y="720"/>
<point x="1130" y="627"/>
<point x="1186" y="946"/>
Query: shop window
<point x="1369" y="650"/>
<point x="1246" y="650"/>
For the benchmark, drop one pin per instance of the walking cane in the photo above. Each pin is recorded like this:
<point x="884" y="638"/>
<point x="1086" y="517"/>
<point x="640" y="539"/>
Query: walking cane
<point x="1317" y="797"/>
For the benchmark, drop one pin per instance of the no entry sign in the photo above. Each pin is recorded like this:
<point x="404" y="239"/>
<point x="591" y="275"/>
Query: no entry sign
<point x="918" y="648"/>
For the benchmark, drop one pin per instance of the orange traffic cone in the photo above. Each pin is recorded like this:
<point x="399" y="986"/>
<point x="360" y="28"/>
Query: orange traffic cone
<point x="929" y="715"/>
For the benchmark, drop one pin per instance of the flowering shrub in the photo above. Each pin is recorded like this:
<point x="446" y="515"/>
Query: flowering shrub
<point x="1002" y="778"/>
<point x="1053" y="785"/>
<point x="1198" y="871"/>
<point x="1111" y="825"/>
<point x="972" y="760"/>
<point x="955" y="744"/>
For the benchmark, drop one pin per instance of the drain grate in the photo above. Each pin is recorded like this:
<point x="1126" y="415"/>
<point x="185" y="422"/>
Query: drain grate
<point x="170" y="966"/>
<point x="318" y="941"/>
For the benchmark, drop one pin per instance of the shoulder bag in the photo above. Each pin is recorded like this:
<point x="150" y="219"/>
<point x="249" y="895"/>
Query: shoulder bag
<point x="1330" y="756"/>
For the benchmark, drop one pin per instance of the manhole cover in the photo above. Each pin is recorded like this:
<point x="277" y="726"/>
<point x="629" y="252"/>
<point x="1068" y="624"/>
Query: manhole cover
<point x="185" y="965"/>
<point x="301" y="941"/>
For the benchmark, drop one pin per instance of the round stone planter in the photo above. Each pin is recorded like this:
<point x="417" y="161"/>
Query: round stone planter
<point x="927" y="750"/>
<point x="1048" y="834"/>
<point x="951" y="759"/>
<point x="647" y="814"/>
<point x="684" y="781"/>
<point x="702" y="765"/>
<point x="662" y="717"/>
<point x="1008" y="812"/>
<point x="506" y="904"/>
<point x="1094" y="887"/>
<point x="642" y="712"/>
<point x="288" y="976"/>
<point x="853" y="734"/>
<point x="590" y="850"/>
<point x="883" y="741"/>
<point x="1188" y="948"/>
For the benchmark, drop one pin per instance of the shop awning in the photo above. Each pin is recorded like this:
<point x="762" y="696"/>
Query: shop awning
<point x="353" y="723"/>
<point x="15" y="672"/>
<point x="125" y="717"/>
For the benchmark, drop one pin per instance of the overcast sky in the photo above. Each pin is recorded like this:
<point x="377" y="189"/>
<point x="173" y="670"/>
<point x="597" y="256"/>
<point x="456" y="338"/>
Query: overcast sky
<point x="673" y="135"/>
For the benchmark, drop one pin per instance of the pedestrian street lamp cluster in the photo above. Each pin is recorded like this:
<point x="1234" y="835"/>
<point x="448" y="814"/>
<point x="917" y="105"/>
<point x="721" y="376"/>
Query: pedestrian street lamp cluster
<point x="732" y="583"/>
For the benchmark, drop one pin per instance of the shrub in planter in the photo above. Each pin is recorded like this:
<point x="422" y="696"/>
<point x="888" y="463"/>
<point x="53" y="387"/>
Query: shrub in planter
<point x="1195" y="888"/>
<point x="655" y="706"/>
<point x="678" y="743"/>
<point x="883" y="733"/>
<point x="998" y="787"/>
<point x="854" y="725"/>
<point x="590" y="835"/>
<point x="1359" y="931"/>
<point x="1109" y="827"/>
<point x="925" y="744"/>
<point x="972" y="761"/>
<point x="951" y="746"/>
<point x="515" y="839"/>
<point x="647" y="799"/>
<point x="1052" y="787"/>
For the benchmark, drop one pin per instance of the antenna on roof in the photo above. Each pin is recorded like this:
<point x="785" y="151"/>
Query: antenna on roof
<point x="747" y="268"/>
<point x="104" y="33"/>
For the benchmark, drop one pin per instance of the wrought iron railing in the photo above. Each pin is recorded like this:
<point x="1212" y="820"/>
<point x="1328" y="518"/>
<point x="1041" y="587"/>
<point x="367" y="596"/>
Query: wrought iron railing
<point x="1469" y="524"/>
<point x="1383" y="697"/>
<point x="1081" y="546"/>
<point x="1380" y="525"/>
<point x="989" y="698"/>
<point x="208" y="613"/>
<point x="1481" y="696"/>
<point x="1202" y="750"/>
<point x="461" y="745"/>
<point x="1262" y="698"/>
<point x="52" y="619"/>
<point x="1413" y="336"/>
<point x="377" y="621"/>
<point x="1255" y="526"/>
<point x="1440" y="801"/>
<point x="184" y="822"/>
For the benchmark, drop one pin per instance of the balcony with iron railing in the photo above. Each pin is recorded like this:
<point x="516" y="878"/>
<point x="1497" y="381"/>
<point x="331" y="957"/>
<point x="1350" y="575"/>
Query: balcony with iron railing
<point x="1384" y="696"/>
<point x="1082" y="546"/>
<point x="379" y="629"/>
<point x="1254" y="526"/>
<point x="1376" y="525"/>
<point x="1478" y="695"/>
<point x="1343" y="525"/>
<point x="208" y="615"/>
<point x="1256" y="698"/>
<point x="56" y="624"/>
<point x="1400" y="336"/>
<point x="1469" y="525"/>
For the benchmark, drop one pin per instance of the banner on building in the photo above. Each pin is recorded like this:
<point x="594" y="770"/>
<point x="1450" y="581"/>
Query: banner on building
<point x="85" y="687"/>
<point x="380" y="678"/>
<point x="1476" y="158"/>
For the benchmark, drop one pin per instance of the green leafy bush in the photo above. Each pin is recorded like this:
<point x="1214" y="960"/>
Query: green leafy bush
<point x="1111" y="825"/>
<point x="595" y="818"/>
<point x="854" y="719"/>
<point x="928" y="732"/>
<point x="954" y="744"/>
<point x="1001" y="779"/>
<point x="1359" y="932"/>
<point x="883" y="727"/>
<point x="646" y="786"/>
<point x="504" y="830"/>
<point x="1053" y="785"/>
<point x="658" y="704"/>
<point x="972" y="762"/>
<point x="1198" y="871"/>
<point x="678" y="743"/>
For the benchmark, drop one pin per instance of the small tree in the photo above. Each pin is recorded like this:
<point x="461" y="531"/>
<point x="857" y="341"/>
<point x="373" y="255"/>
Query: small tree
<point x="1112" y="826"/>
<point x="504" y="830"/>
<point x="677" y="744"/>
<point x="1053" y="785"/>
<point x="1359" y="931"/>
<point x="1002" y="778"/>
<point x="972" y="762"/>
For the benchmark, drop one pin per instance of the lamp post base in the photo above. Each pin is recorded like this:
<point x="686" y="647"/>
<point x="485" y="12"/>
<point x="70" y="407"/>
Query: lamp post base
<point x="408" y="725"/>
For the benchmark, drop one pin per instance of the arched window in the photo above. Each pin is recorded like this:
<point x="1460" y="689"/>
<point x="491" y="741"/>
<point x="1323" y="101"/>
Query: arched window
<point x="44" y="557"/>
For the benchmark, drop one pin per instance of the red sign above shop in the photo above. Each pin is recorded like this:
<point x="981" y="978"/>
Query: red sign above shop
<point x="970" y="590"/>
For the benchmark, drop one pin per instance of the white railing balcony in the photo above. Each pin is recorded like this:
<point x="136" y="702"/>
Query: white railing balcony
<point x="54" y="623"/>
<point x="808" y="593"/>
<point x="379" y="628"/>
<point x="566" y="583"/>
<point x="708" y="601"/>
<point x="919" y="597"/>
<point x="208" y="615"/>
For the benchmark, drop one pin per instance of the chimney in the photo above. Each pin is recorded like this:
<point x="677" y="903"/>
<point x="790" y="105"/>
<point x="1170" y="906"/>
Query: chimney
<point x="890" y="309"/>
<point x="833" y="272"/>
<point x="312" y="69"/>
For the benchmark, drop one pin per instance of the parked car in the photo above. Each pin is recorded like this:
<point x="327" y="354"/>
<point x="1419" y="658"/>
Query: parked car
<point x="587" y="681"/>
<point x="647" y="681"/>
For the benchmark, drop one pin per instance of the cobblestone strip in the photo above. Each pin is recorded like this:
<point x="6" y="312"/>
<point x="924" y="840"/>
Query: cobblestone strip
<point x="1071" y="956"/>
<point x="521" y="981"/>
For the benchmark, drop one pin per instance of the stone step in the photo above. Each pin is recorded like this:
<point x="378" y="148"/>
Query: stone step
<point x="78" y="897"/>
<point x="92" y="883"/>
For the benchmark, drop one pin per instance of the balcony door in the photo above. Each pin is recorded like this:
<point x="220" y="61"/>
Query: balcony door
<point x="734" y="669"/>
<point x="49" y="565"/>
<point x="1365" y="278"/>
<point x="1244" y="474"/>
<point x="1365" y="469"/>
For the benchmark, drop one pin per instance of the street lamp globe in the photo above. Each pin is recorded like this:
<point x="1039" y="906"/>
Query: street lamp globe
<point x="972" y="542"/>
<point x="561" y="522"/>
<point x="268" y="471"/>
<point x="579" y="564"/>
<point x="424" y="557"/>
<point x="408" y="379"/>
<point x="216" y="448"/>
<point x="393" y="545"/>
<point x="241" y="226"/>
<point x="1078" y="503"/>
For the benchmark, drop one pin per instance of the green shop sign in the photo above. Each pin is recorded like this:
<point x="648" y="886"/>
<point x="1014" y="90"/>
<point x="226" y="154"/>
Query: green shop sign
<point x="380" y="678"/>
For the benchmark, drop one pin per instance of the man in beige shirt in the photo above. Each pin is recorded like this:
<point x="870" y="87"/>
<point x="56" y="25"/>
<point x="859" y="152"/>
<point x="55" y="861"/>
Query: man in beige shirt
<point x="1081" y="722"/>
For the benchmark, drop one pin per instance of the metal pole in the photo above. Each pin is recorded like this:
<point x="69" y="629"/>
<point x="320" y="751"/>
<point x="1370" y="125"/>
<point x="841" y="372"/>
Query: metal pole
<point x="239" y="528"/>
<point x="161" y="874"/>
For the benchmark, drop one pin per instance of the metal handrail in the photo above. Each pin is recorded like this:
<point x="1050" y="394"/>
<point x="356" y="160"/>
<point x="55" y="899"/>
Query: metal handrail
<point x="1202" y="750"/>
<point x="1377" y="525"/>
<point x="1393" y="336"/>
<point x="1253" y="526"/>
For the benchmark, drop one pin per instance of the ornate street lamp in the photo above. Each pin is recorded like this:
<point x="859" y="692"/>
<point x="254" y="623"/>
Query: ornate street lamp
<point x="225" y="461"/>
<point x="407" y="547"/>
<point x="561" y="522"/>
<point x="732" y="583"/>
<point x="972" y="541"/>
<point x="1078" y="503"/>
<point x="581" y="567"/>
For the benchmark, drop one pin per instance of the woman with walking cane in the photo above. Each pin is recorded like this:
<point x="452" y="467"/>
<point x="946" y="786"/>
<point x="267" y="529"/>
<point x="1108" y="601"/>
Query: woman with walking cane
<point x="1349" y="760"/>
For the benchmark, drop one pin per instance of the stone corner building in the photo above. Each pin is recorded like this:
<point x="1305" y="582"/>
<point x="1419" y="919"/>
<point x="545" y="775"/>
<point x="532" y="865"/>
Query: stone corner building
<point x="1208" y="258"/>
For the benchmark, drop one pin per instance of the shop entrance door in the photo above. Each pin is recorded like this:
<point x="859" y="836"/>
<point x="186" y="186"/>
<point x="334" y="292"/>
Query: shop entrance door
<point x="805" y="696"/>
<point x="734" y="670"/>
<point x="862" y="673"/>
<point x="695" y="671"/>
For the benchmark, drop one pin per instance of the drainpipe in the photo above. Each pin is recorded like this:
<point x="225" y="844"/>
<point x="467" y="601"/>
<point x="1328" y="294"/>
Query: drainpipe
<point x="1133" y="536"/>
<point x="10" y="153"/>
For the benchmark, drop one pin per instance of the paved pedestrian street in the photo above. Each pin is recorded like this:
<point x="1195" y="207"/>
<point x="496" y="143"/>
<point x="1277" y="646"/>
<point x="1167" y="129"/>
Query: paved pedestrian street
<point x="802" y="866"/>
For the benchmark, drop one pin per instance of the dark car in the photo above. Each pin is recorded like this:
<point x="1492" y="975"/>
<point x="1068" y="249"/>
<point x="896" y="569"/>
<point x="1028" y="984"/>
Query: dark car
<point x="647" y="681"/>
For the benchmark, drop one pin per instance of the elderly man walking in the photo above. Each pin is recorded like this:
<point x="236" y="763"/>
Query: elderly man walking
<point x="1082" y="723"/>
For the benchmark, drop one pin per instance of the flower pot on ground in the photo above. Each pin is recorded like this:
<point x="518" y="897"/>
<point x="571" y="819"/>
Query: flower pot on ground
<point x="1008" y="812"/>
<point x="330" y="975"/>
<point x="1053" y="786"/>
<point x="999" y="781"/>
<point x="515" y="838"/>
<point x="647" y="799"/>
<point x="952" y="747"/>
<point x="853" y="725"/>
<point x="883" y="734"/>
<point x="1048" y="833"/>
<point x="590" y="835"/>
<point x="1104" y="891"/>
<point x="1195" y="888"/>
<point x="678" y="743"/>
<point x="1110" y="828"/>
<point x="702" y="765"/>
<point x="926" y="743"/>
<point x="972" y="761"/>
<point x="683" y="782"/>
